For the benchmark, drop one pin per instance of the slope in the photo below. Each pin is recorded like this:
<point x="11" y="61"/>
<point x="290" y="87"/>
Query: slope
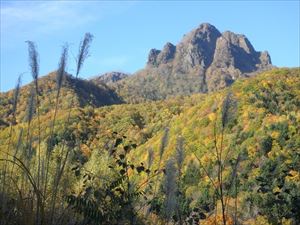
<point x="262" y="134"/>
<point x="81" y="92"/>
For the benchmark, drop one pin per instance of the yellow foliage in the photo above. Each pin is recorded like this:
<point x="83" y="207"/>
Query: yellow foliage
<point x="204" y="159"/>
<point x="265" y="84"/>
<point x="193" y="191"/>
<point x="206" y="179"/>
<point x="252" y="151"/>
<point x="254" y="174"/>
<point x="193" y="112"/>
<point x="271" y="154"/>
<point x="217" y="220"/>
<point x="206" y="141"/>
<point x="275" y="134"/>
<point x="293" y="176"/>
<point x="287" y="221"/>
<point x="276" y="189"/>
<point x="259" y="220"/>
<point x="212" y="116"/>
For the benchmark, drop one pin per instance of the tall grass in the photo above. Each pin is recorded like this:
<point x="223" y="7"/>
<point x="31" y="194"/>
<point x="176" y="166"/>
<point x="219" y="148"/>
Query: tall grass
<point x="179" y="156"/>
<point x="13" y="122"/>
<point x="59" y="80"/>
<point x="33" y="206"/>
<point x="83" y="53"/>
<point x="34" y="66"/>
<point x="150" y="158"/>
<point x="170" y="189"/>
<point x="162" y="147"/>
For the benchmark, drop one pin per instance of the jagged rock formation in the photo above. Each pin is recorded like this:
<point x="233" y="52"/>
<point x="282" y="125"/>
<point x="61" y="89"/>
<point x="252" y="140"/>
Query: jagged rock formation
<point x="157" y="57"/>
<point x="234" y="57"/>
<point x="205" y="60"/>
<point x="109" y="78"/>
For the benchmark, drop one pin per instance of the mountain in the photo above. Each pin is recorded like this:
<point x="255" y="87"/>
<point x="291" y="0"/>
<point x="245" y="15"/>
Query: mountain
<point x="109" y="78"/>
<point x="204" y="60"/>
<point x="220" y="145"/>
<point x="261" y="144"/>
<point x="81" y="92"/>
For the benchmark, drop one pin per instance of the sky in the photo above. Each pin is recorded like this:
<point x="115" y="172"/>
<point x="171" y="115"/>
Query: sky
<point x="125" y="31"/>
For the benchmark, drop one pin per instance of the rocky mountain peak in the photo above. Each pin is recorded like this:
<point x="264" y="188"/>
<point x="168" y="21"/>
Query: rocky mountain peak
<point x="204" y="60"/>
<point x="197" y="48"/>
<point x="204" y="33"/>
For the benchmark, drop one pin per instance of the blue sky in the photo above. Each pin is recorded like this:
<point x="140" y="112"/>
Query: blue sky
<point x="125" y="31"/>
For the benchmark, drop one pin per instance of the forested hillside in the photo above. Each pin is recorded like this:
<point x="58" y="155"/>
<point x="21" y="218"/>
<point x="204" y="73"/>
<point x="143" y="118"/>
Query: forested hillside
<point x="78" y="91"/>
<point x="228" y="157"/>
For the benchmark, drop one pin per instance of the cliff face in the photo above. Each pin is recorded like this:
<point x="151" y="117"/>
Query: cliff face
<point x="217" y="58"/>
<point x="204" y="60"/>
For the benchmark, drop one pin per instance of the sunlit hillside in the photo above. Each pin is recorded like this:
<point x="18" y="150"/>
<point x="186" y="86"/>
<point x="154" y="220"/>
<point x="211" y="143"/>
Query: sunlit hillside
<point x="231" y="155"/>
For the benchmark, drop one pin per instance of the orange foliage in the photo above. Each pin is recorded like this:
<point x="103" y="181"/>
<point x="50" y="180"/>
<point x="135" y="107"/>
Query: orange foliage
<point x="85" y="150"/>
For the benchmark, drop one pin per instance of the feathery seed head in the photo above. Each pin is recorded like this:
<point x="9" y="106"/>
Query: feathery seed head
<point x="170" y="187"/>
<point x="33" y="60"/>
<point x="227" y="103"/>
<point x="30" y="107"/>
<point x="83" y="51"/>
<point x="16" y="94"/>
<point x="62" y="67"/>
<point x="179" y="152"/>
<point x="150" y="157"/>
<point x="164" y="142"/>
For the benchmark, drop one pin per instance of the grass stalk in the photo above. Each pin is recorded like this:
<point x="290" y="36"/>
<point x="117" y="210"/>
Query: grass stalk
<point x="59" y="79"/>
<point x="13" y="122"/>
<point x="34" y="66"/>
<point x="82" y="55"/>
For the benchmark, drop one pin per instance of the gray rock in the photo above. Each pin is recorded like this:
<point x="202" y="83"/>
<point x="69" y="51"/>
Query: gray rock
<point x="152" y="57"/>
<point x="196" y="48"/>
<point x="204" y="60"/>
<point x="109" y="78"/>
<point x="265" y="60"/>
<point x="167" y="54"/>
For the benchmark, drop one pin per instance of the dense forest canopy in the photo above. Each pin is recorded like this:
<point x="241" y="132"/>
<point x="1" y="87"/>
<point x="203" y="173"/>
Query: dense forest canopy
<point x="135" y="150"/>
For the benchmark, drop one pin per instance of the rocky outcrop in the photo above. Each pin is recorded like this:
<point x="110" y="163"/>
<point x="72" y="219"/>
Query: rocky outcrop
<point x="109" y="78"/>
<point x="234" y="57"/>
<point x="204" y="60"/>
<point x="167" y="54"/>
<point x="152" y="57"/>
<point x="196" y="50"/>
<point x="217" y="58"/>
<point x="157" y="57"/>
